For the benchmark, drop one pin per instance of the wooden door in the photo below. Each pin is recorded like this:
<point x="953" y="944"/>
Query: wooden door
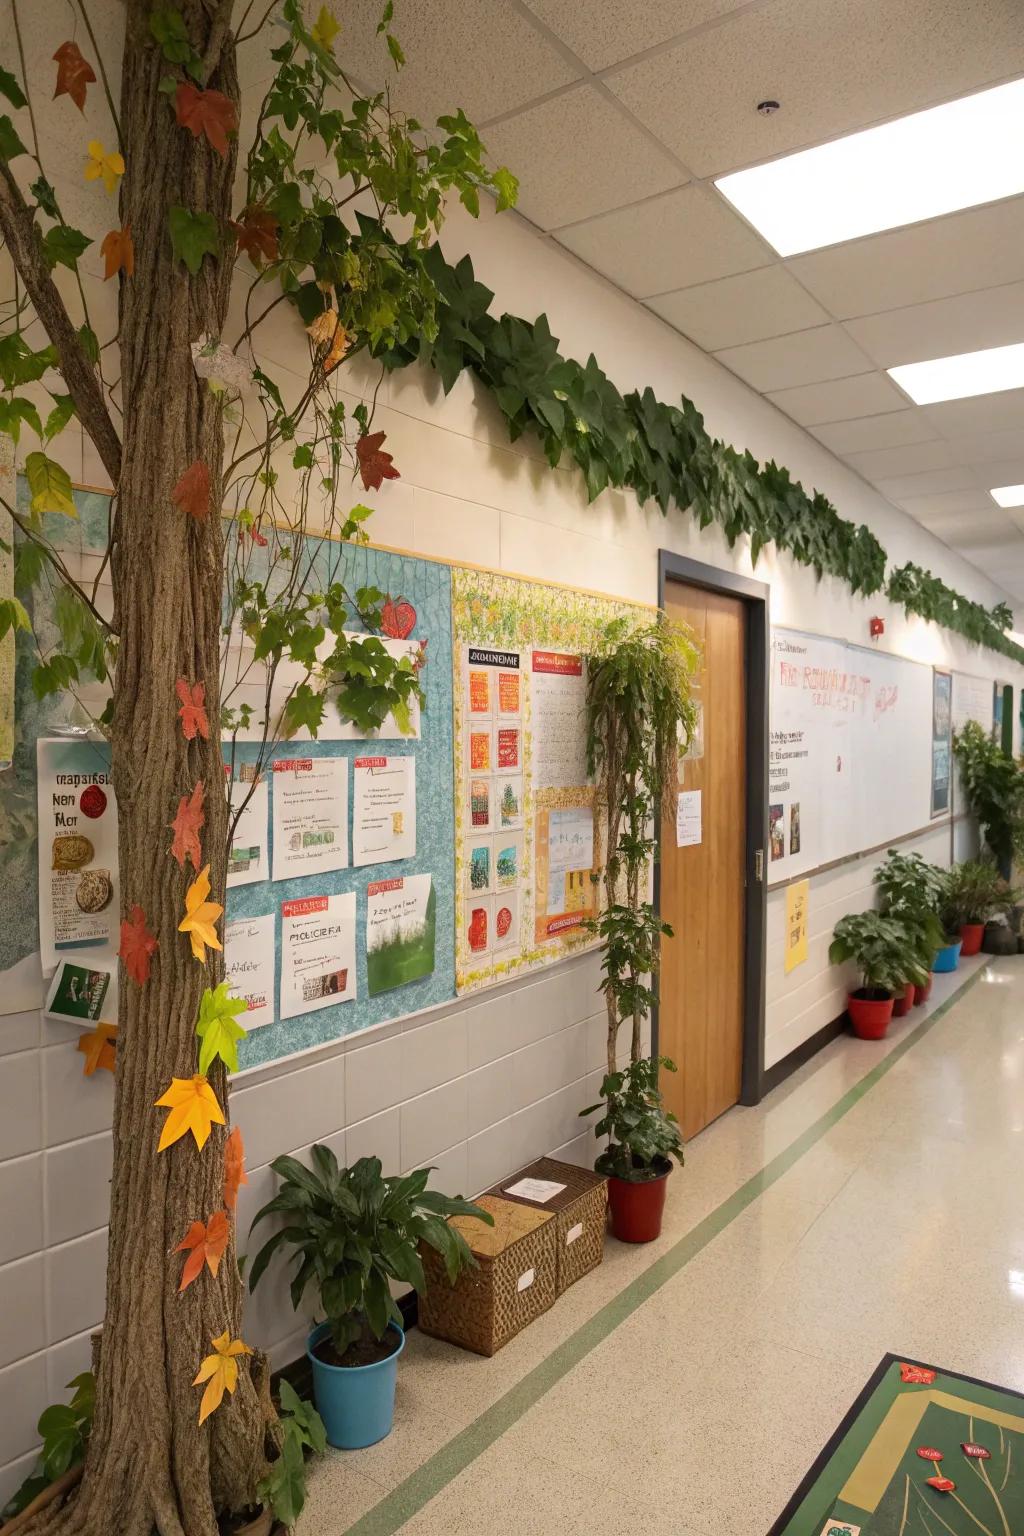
<point x="703" y="885"/>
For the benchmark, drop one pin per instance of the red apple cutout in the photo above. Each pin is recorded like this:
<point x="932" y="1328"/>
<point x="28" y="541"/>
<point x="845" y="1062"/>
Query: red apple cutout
<point x="398" y="618"/>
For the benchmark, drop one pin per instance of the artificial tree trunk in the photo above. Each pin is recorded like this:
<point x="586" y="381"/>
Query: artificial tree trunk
<point x="149" y="1464"/>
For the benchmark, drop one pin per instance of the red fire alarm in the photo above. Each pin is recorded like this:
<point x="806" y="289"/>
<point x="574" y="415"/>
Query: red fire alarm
<point x="877" y="627"/>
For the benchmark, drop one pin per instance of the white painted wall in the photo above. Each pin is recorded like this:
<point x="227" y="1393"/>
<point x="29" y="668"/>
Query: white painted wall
<point x="480" y="1087"/>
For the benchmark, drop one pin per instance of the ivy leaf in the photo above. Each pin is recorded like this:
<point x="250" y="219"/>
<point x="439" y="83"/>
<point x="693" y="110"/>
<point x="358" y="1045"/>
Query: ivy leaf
<point x="204" y="1242"/>
<point x="54" y="676"/>
<point x="10" y="144"/>
<point x="138" y="945"/>
<point x="375" y="466"/>
<point x="508" y="188"/>
<point x="193" y="1107"/>
<point x="89" y="343"/>
<point x="218" y="1028"/>
<point x="50" y="485"/>
<point x="10" y="88"/>
<point x="193" y="236"/>
<point x="192" y="714"/>
<point x="304" y="708"/>
<point x="395" y="50"/>
<point x="63" y="245"/>
<point x="168" y="28"/>
<point x="191" y="494"/>
<point x="186" y="826"/>
<point x="15" y="411"/>
<point x="74" y="74"/>
<point x="206" y="112"/>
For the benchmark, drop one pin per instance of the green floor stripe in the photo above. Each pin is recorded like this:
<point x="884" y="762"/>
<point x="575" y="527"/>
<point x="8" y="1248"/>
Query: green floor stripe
<point x="391" y="1513"/>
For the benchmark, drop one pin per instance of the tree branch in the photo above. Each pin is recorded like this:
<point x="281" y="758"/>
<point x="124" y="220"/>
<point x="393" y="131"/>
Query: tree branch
<point x="17" y="225"/>
<point x="28" y="532"/>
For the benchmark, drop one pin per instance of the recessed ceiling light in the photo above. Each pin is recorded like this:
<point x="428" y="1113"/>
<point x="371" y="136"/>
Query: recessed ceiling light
<point x="954" y="156"/>
<point x="968" y="373"/>
<point x="1008" y="495"/>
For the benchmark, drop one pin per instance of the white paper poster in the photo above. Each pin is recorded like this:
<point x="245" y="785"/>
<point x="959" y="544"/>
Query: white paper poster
<point x="570" y="845"/>
<point x="247" y="856"/>
<point x="384" y="809"/>
<point x="688" y="818"/>
<point x="318" y="953"/>
<point x="310" y="816"/>
<point x="400" y="927"/>
<point x="558" y="692"/>
<point x="78" y="876"/>
<point x="249" y="966"/>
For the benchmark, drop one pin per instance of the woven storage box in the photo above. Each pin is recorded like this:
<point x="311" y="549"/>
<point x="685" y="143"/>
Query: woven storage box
<point x="513" y="1283"/>
<point x="579" y="1209"/>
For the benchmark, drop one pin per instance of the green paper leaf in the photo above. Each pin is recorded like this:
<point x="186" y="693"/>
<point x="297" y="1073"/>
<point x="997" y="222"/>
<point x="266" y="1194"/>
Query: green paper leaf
<point x="89" y="342"/>
<point x="218" y="1028"/>
<point x="168" y="28"/>
<point x="63" y="245"/>
<point x="50" y="485"/>
<point x="15" y="411"/>
<point x="10" y="144"/>
<point x="193" y="236"/>
<point x="13" y="616"/>
<point x="45" y="196"/>
<point x="59" y="417"/>
<point x="10" y="88"/>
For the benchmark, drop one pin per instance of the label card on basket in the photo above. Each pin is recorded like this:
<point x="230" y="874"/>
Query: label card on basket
<point x="526" y="1280"/>
<point x="540" y="1190"/>
<point x="573" y="1233"/>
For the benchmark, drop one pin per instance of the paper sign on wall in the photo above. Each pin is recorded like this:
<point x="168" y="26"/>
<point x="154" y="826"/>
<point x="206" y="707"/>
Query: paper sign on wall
<point x="249" y="966"/>
<point x="797" y="897"/>
<point x="689" y="831"/>
<point x="400" y="926"/>
<point x="310" y="816"/>
<point x="384" y="809"/>
<point x="247" y="857"/>
<point x="559" y="689"/>
<point x="78" y="873"/>
<point x="318" y="953"/>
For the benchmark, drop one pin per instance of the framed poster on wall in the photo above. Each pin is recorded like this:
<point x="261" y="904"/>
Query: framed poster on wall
<point x="942" y="741"/>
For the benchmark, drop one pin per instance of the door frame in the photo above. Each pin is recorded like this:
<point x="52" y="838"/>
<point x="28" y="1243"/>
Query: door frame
<point x="755" y="596"/>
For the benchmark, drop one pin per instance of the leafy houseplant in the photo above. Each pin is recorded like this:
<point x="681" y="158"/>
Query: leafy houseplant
<point x="64" y="1430"/>
<point x="911" y="891"/>
<point x="994" y="785"/>
<point x="973" y="892"/>
<point x="642" y="1140"/>
<point x="883" y="951"/>
<point x="354" y="1232"/>
<point x="283" y="1489"/>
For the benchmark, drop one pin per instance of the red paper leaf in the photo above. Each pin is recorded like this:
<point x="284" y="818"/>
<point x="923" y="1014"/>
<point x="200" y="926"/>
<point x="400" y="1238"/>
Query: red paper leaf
<point x="929" y="1453"/>
<point x="943" y="1484"/>
<point x="192" y="492"/>
<point x="118" y="252"/>
<point x="192" y="713"/>
<point x="234" y="1168"/>
<point x="74" y="73"/>
<point x="256" y="234"/>
<point x="916" y="1375"/>
<point x="186" y="827"/>
<point x="205" y="1244"/>
<point x="138" y="945"/>
<point x="208" y="112"/>
<point x="375" y="465"/>
<point x="398" y="618"/>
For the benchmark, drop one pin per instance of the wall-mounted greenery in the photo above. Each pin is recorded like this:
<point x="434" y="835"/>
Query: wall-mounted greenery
<point x="663" y="452"/>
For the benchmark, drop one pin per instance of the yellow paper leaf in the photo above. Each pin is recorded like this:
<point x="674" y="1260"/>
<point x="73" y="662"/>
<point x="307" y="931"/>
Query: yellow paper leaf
<point x="201" y="916"/>
<point x="193" y="1107"/>
<point x="220" y="1372"/>
<point x="325" y="29"/>
<point x="101" y="165"/>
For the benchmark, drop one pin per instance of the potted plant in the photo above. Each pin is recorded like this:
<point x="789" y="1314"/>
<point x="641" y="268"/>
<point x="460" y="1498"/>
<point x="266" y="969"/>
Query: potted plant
<point x="911" y="891"/>
<point x="885" y="956"/>
<point x="354" y="1232"/>
<point x="974" y="892"/>
<point x="643" y="1138"/>
<point x="994" y="786"/>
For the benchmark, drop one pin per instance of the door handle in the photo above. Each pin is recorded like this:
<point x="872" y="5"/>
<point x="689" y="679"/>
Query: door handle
<point x="759" y="864"/>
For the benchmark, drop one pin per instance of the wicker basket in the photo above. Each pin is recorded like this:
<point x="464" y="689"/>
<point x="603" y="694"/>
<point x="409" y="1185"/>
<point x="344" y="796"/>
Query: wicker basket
<point x="579" y="1209"/>
<point x="513" y="1283"/>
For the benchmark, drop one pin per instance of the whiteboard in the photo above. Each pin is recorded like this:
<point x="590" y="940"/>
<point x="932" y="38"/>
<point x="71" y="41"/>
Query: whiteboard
<point x="849" y="751"/>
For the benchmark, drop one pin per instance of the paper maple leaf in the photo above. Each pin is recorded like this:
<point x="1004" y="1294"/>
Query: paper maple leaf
<point x="325" y="29"/>
<point x="204" y="1242"/>
<point x="193" y="1107"/>
<point x="186" y="827"/>
<point x="255" y="233"/>
<point x="220" y="1372"/>
<point x="118" y="252"/>
<point x="101" y="165"/>
<point x="192" y="713"/>
<point x="191" y="494"/>
<point x="98" y="1049"/>
<point x="234" y="1168"/>
<point x="201" y="915"/>
<point x="138" y="945"/>
<point x="218" y="1028"/>
<point x="74" y="73"/>
<point x="208" y="112"/>
<point x="375" y="465"/>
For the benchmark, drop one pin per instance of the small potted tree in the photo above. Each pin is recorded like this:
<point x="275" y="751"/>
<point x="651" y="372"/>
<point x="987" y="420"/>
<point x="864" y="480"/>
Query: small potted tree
<point x="643" y="1138"/>
<point x="994" y="786"/>
<point x="886" y="958"/>
<point x="354" y="1232"/>
<point x="911" y="891"/>
<point x="974" y="892"/>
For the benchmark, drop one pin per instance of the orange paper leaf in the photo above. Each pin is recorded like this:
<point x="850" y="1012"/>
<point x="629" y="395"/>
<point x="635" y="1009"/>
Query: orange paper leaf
<point x="201" y="915"/>
<point x="255" y="233"/>
<point x="118" y="252"/>
<point x="98" y="1049"/>
<point x="186" y="827"/>
<point x="74" y="73"/>
<point x="138" y="945"/>
<point x="220" y="1372"/>
<point x="234" y="1168"/>
<point x="192" y="492"/>
<point x="193" y="1107"/>
<point x="208" y="112"/>
<point x="205" y="1244"/>
<point x="192" y="713"/>
<point x="375" y="465"/>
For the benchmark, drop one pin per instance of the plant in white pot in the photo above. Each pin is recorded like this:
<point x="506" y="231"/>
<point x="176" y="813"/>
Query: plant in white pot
<point x="640" y="717"/>
<point x="354" y="1232"/>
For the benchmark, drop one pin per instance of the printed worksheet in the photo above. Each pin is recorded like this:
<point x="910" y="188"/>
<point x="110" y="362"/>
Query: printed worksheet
<point x="310" y="816"/>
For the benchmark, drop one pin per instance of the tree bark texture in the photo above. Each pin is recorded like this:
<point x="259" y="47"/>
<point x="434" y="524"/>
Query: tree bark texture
<point x="149" y="1464"/>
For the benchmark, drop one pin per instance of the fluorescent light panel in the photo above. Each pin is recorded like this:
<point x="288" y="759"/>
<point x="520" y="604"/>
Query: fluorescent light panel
<point x="1008" y="495"/>
<point x="966" y="374"/>
<point x="954" y="156"/>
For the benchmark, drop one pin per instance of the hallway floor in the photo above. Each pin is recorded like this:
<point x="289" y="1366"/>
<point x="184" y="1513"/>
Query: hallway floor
<point x="871" y="1204"/>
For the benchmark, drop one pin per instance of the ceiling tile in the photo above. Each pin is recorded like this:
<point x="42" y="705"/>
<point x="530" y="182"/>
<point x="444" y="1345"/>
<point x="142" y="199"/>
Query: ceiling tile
<point x="930" y="482"/>
<point x="683" y="237"/>
<point x="982" y="413"/>
<point x="482" y="55"/>
<point x="993" y="317"/>
<point x="911" y="459"/>
<point x="868" y="394"/>
<point x="804" y="357"/>
<point x="602" y="32"/>
<point x="987" y="447"/>
<point x="944" y="504"/>
<point x="1000" y="472"/>
<point x="574" y="183"/>
<point x="749" y="307"/>
<point x="866" y="432"/>
<point x="976" y="249"/>
<point x="853" y="65"/>
<point x="974" y="531"/>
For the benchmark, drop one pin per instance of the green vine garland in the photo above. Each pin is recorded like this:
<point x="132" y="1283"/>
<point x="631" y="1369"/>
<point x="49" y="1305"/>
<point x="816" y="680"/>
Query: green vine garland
<point x="663" y="452"/>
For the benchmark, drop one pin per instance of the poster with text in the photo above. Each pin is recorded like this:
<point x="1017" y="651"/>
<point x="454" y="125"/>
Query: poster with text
<point x="78" y="877"/>
<point x="565" y="866"/>
<point x="310" y="816"/>
<point x="384" y="810"/>
<point x="248" y="856"/>
<point x="942" y="741"/>
<point x="558" y="689"/>
<point x="249" y="966"/>
<point x="400" y="928"/>
<point x="318" y="953"/>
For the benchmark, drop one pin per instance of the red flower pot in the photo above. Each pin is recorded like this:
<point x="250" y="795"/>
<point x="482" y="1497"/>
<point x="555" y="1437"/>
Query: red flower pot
<point x="870" y="1013"/>
<point x="637" y="1208"/>
<point x="922" y="994"/>
<point x="971" y="935"/>
<point x="903" y="1004"/>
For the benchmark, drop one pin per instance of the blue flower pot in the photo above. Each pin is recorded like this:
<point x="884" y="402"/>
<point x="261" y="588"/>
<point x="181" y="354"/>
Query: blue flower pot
<point x="356" y="1402"/>
<point x="947" y="958"/>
